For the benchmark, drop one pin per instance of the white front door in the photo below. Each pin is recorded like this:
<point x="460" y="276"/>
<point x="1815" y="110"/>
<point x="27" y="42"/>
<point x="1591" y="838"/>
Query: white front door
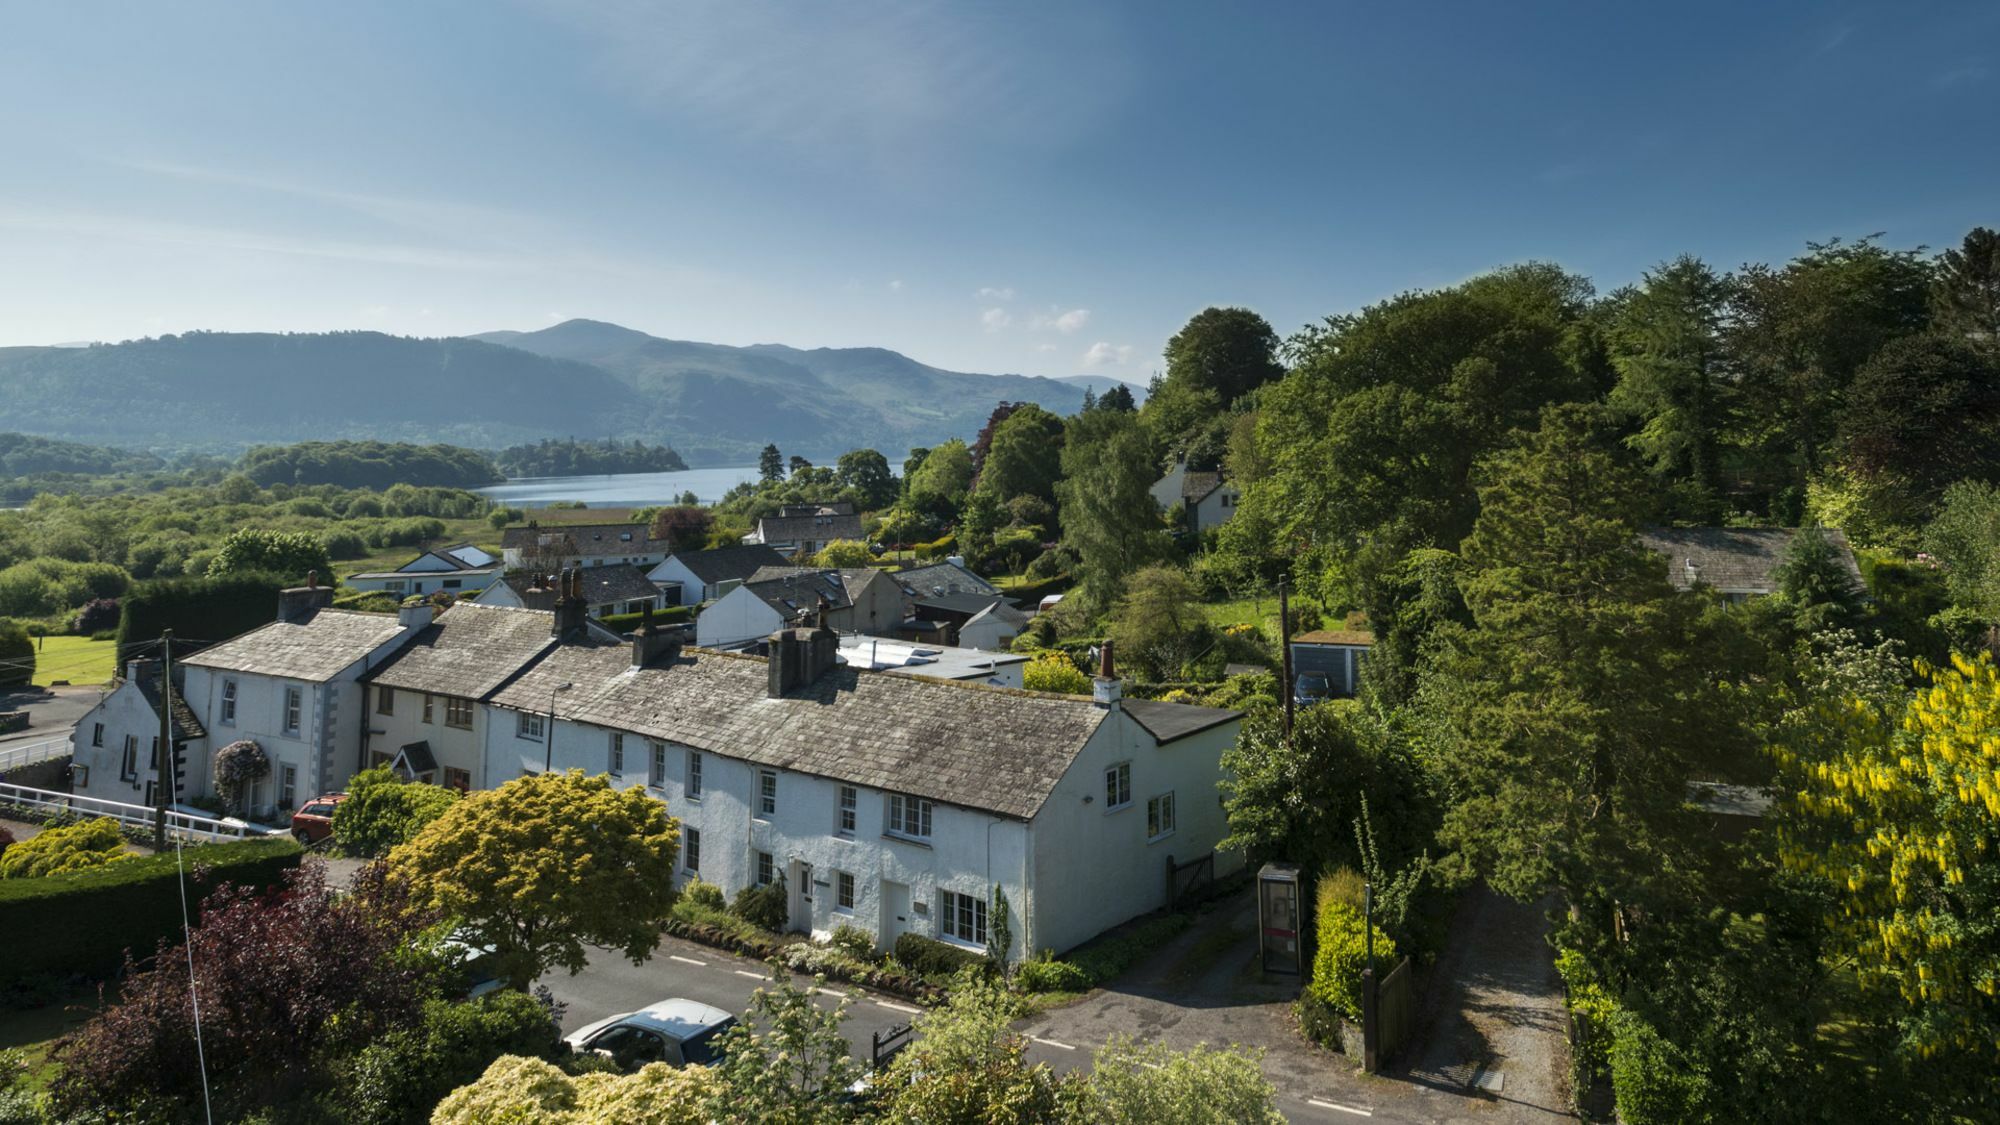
<point x="802" y="896"/>
<point x="895" y="912"/>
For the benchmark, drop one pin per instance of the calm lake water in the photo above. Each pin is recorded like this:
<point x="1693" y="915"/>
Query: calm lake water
<point x="620" y="489"/>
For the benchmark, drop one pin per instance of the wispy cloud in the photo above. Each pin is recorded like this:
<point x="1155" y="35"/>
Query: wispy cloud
<point x="995" y="319"/>
<point x="1959" y="77"/>
<point x="894" y="75"/>
<point x="1057" y="319"/>
<point x="996" y="293"/>
<point x="1104" y="354"/>
<point x="896" y="286"/>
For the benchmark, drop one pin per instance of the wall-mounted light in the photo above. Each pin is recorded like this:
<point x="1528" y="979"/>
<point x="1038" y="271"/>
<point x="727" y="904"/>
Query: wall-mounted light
<point x="1087" y="798"/>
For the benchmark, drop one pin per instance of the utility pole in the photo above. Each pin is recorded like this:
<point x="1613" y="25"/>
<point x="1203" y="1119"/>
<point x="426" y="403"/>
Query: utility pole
<point x="163" y="786"/>
<point x="1285" y="652"/>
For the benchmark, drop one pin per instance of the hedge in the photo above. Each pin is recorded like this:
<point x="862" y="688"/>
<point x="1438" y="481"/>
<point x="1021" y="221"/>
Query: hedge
<point x="85" y="921"/>
<point x="626" y="622"/>
<point x="201" y="610"/>
<point x="763" y="947"/>
<point x="930" y="957"/>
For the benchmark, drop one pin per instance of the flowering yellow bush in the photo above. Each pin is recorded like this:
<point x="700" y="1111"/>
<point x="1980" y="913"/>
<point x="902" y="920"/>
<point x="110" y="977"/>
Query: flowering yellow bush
<point x="522" y="1091"/>
<point x="93" y="843"/>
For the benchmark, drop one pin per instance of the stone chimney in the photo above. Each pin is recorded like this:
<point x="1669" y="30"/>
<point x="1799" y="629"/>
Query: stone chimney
<point x="415" y="616"/>
<point x="1106" y="689"/>
<point x="799" y="657"/>
<point x="300" y="602"/>
<point x="655" y="644"/>
<point x="572" y="614"/>
<point x="541" y="594"/>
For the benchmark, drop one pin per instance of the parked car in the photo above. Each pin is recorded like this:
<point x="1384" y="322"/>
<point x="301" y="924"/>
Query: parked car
<point x="676" y="1032"/>
<point x="313" y="822"/>
<point x="474" y="966"/>
<point x="1310" y="688"/>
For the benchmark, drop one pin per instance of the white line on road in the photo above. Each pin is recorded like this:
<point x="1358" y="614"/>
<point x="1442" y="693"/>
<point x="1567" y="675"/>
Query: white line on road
<point x="748" y="973"/>
<point x="686" y="960"/>
<point x="900" y="1007"/>
<point x="1051" y="1043"/>
<point x="1341" y="1108"/>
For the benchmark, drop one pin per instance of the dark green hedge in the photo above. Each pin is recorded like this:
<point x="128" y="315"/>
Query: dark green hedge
<point x="17" y="654"/>
<point x="930" y="957"/>
<point x="204" y="610"/>
<point x="626" y="622"/>
<point x="83" y="922"/>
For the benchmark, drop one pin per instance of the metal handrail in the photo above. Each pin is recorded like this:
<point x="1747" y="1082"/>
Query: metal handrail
<point x="14" y="757"/>
<point x="184" y="824"/>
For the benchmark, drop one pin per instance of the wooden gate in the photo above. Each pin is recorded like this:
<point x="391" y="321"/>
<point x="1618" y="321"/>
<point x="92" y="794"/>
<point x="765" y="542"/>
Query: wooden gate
<point x="1184" y="879"/>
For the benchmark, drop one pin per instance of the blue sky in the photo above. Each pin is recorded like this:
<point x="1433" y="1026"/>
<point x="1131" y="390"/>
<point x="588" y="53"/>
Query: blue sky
<point x="1043" y="188"/>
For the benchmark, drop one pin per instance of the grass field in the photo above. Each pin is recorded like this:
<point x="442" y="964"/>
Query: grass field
<point x="79" y="660"/>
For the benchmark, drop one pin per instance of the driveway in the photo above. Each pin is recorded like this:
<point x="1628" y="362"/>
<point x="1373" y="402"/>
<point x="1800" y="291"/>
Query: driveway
<point x="51" y="711"/>
<point x="1205" y="988"/>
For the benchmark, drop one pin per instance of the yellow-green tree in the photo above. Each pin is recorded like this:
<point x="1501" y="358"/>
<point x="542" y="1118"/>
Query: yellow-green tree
<point x="545" y="865"/>
<point x="517" y="1090"/>
<point x="92" y="843"/>
<point x="1900" y="812"/>
<point x="1055" y="671"/>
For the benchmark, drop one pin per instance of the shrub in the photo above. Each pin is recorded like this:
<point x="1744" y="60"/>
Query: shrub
<point x="210" y="609"/>
<point x="1053" y="671"/>
<point x="6" y="839"/>
<point x="17" y="1102"/>
<point x="930" y="957"/>
<point x="1108" y="957"/>
<point x="1319" y="1021"/>
<point x="345" y="544"/>
<point x="1048" y="564"/>
<point x="766" y="907"/>
<point x="382" y="810"/>
<point x="813" y="959"/>
<point x="1046" y="974"/>
<point x="854" y="941"/>
<point x="84" y="921"/>
<point x="58" y="851"/>
<point x="97" y="615"/>
<point x="17" y="654"/>
<point x="289" y="553"/>
<point x="706" y="896"/>
<point x="238" y="766"/>
<point x="1343" y="954"/>
<point x="400" y="1078"/>
<point x="1655" y="1082"/>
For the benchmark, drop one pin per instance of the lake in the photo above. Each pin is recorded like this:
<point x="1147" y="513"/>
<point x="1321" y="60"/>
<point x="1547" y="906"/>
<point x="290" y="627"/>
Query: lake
<point x="619" y="490"/>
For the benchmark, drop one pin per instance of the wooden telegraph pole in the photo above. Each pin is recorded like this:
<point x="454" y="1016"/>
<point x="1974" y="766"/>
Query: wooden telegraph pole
<point x="163" y="787"/>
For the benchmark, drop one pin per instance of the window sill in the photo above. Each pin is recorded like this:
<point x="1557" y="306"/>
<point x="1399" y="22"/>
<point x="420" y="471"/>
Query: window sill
<point x="1109" y="809"/>
<point x="1167" y="835"/>
<point x="963" y="943"/>
<point x="915" y="841"/>
<point x="529" y="737"/>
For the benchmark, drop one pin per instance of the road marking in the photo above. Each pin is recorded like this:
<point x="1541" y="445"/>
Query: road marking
<point x="686" y="960"/>
<point x="1051" y="1043"/>
<point x="751" y="975"/>
<point x="900" y="1007"/>
<point x="1341" y="1108"/>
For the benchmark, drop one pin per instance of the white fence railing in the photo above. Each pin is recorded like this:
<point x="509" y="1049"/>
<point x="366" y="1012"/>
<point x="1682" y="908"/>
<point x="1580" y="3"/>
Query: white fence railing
<point x="14" y="756"/>
<point x="186" y="825"/>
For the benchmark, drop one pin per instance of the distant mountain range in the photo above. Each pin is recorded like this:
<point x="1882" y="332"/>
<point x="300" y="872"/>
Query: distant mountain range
<point x="714" y="403"/>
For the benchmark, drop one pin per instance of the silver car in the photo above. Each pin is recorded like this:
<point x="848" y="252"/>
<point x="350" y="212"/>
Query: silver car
<point x="676" y="1032"/>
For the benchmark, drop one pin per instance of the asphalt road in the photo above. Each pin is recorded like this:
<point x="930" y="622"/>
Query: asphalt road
<point x="52" y="712"/>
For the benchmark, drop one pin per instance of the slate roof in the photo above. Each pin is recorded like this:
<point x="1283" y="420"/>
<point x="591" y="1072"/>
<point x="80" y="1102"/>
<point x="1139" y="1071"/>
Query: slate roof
<point x="468" y="651"/>
<point x="417" y="757"/>
<point x="584" y="538"/>
<point x="995" y="749"/>
<point x="315" y="649"/>
<point x="602" y="585"/>
<point x="1002" y="612"/>
<point x="942" y="578"/>
<point x="728" y="564"/>
<point x="187" y="728"/>
<point x="1169" y="721"/>
<point x="1733" y="560"/>
<point x="1195" y="487"/>
<point x="1358" y="637"/>
<point x="820" y="528"/>
<point x="793" y="590"/>
<point x="972" y="605"/>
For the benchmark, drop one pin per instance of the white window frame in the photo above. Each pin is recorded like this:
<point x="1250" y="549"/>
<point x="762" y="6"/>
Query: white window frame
<point x="454" y="706"/>
<point x="691" y="850"/>
<point x="295" y="710"/>
<point x="228" y="703"/>
<point x="962" y="918"/>
<point x="450" y="783"/>
<point x="429" y="714"/>
<point x="692" y="789"/>
<point x="909" y="817"/>
<point x="288" y="785"/>
<point x="656" y="774"/>
<point x="1118" y="787"/>
<point x="385" y="700"/>
<point x="128" y="764"/>
<point x="530" y="724"/>
<point x="764" y="869"/>
<point x="1160" y="816"/>
<point x="843" y="892"/>
<point x="767" y="793"/>
<point x="97" y="735"/>
<point x="846" y="815"/>
<point x="617" y="763"/>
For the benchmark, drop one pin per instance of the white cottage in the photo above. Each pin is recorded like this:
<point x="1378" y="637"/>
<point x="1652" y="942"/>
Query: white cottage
<point x="890" y="803"/>
<point x="115" y="749"/>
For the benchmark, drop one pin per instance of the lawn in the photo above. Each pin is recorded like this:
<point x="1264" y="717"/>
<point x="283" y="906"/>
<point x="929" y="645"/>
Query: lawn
<point x="33" y="1031"/>
<point x="1243" y="611"/>
<point x="79" y="660"/>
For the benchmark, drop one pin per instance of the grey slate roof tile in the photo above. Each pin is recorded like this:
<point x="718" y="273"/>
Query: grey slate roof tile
<point x="315" y="649"/>
<point x="1733" y="559"/>
<point x="468" y="651"/>
<point x="724" y="564"/>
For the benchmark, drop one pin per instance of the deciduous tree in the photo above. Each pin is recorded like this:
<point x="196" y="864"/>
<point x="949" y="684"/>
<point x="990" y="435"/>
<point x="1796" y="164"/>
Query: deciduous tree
<point x="289" y="553"/>
<point x="545" y="865"/>
<point x="1109" y="518"/>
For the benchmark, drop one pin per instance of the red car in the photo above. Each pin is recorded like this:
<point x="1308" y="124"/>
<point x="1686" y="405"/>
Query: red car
<point x="314" y="820"/>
